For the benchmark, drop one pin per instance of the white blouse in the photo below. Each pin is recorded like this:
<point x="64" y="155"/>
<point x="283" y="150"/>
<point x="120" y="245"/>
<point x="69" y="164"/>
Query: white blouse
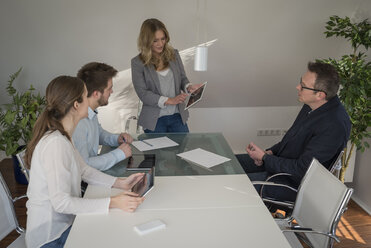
<point x="54" y="190"/>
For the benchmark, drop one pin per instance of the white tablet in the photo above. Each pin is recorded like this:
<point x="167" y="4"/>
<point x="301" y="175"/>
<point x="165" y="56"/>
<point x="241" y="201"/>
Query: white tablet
<point x="195" y="96"/>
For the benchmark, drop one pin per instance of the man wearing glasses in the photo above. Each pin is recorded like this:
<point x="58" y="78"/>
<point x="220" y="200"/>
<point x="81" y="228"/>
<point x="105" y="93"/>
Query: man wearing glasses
<point x="321" y="130"/>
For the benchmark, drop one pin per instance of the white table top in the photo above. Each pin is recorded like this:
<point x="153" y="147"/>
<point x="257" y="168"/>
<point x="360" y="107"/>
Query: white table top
<point x="199" y="211"/>
<point x="188" y="192"/>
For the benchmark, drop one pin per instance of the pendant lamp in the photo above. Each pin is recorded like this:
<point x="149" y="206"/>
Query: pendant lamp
<point x="201" y="50"/>
<point x="201" y="58"/>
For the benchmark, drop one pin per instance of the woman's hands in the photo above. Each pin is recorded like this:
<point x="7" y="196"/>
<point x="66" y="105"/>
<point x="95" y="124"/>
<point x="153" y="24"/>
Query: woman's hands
<point x="129" y="182"/>
<point x="183" y="96"/>
<point x="126" y="201"/>
<point x="176" y="100"/>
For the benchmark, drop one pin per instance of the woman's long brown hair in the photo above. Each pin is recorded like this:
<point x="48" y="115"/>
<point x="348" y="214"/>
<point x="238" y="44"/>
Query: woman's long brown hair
<point x="145" y="41"/>
<point x="61" y="94"/>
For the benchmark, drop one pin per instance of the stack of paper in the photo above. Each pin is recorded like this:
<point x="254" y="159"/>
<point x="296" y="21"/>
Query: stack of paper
<point x="203" y="158"/>
<point x="152" y="144"/>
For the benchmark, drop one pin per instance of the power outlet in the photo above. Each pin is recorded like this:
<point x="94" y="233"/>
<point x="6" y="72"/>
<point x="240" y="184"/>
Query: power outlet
<point x="269" y="132"/>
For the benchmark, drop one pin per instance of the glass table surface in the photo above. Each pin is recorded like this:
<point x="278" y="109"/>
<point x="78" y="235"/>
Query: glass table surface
<point x="169" y="164"/>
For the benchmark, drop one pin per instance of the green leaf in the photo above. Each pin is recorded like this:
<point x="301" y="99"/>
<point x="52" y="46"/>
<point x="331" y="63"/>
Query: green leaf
<point x="18" y="117"/>
<point x="24" y="122"/>
<point x="355" y="74"/>
<point x="9" y="117"/>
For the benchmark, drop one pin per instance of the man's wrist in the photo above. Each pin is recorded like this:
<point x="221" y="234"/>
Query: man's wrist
<point x="264" y="157"/>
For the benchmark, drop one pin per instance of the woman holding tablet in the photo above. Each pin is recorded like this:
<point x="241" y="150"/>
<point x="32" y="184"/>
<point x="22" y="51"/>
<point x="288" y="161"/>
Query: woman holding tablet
<point x="54" y="190"/>
<point x="160" y="81"/>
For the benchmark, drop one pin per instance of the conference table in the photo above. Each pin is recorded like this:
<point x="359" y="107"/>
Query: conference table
<point x="216" y="207"/>
<point x="168" y="164"/>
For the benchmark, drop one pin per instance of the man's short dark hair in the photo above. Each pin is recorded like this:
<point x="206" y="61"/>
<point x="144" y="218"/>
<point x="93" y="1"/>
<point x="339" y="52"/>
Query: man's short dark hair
<point x="96" y="75"/>
<point x="327" y="78"/>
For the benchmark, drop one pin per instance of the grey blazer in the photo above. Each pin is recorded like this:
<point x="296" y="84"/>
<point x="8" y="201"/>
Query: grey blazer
<point x="147" y="86"/>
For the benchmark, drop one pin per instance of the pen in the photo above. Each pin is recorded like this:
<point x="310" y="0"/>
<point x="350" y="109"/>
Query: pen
<point x="145" y="142"/>
<point x="123" y="139"/>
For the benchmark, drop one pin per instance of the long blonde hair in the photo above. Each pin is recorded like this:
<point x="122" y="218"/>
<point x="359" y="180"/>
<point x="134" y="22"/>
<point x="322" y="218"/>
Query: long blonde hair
<point x="145" y="41"/>
<point x="61" y="94"/>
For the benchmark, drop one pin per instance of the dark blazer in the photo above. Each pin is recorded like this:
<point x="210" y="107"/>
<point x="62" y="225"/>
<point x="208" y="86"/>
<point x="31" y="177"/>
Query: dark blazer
<point x="147" y="86"/>
<point x="321" y="134"/>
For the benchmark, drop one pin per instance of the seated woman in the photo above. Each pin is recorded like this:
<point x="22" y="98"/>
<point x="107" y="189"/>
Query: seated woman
<point x="54" y="191"/>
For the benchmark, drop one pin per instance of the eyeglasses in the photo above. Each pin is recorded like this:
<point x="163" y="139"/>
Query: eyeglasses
<point x="307" y="88"/>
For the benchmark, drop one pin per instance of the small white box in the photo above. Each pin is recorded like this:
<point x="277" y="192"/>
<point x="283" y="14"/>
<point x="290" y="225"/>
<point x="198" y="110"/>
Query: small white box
<point x="148" y="227"/>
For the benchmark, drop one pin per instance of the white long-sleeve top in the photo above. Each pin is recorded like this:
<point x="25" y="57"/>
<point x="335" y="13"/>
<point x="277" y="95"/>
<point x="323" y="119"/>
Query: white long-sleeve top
<point x="87" y="137"/>
<point x="54" y="190"/>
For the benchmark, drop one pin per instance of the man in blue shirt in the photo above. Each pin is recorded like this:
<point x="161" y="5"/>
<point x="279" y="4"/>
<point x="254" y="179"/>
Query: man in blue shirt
<point x="89" y="134"/>
<point x="321" y="130"/>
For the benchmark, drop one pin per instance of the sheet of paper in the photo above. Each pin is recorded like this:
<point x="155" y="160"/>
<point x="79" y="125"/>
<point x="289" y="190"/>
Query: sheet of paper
<point x="152" y="144"/>
<point x="203" y="158"/>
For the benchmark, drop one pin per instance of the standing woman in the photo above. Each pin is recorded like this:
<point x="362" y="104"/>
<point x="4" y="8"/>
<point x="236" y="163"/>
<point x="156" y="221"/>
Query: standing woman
<point x="54" y="191"/>
<point x="160" y="81"/>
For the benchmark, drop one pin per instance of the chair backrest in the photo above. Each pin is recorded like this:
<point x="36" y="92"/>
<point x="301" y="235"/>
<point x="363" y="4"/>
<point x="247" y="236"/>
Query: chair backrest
<point x="8" y="219"/>
<point x="131" y="126"/>
<point x="337" y="163"/>
<point x="22" y="164"/>
<point x="320" y="203"/>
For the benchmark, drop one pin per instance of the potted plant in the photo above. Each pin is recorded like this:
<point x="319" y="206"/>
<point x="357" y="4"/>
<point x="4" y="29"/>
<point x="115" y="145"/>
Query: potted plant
<point x="18" y="118"/>
<point x="355" y="80"/>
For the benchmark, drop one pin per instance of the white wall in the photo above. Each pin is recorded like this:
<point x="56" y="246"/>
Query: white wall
<point x="239" y="125"/>
<point x="262" y="47"/>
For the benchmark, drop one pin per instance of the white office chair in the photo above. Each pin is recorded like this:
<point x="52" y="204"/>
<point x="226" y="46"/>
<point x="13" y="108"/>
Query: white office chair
<point x="131" y="125"/>
<point x="288" y="205"/>
<point x="22" y="164"/>
<point x="321" y="201"/>
<point x="336" y="166"/>
<point x="8" y="219"/>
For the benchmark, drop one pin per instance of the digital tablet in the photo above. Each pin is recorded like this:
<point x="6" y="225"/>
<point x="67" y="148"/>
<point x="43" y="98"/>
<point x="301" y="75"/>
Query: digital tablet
<point x="195" y="96"/>
<point x="141" y="162"/>
<point x="146" y="183"/>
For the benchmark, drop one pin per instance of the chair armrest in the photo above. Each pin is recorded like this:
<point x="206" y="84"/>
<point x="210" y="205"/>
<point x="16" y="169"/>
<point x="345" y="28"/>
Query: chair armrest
<point x="18" y="198"/>
<point x="297" y="229"/>
<point x="273" y="184"/>
<point x="278" y="175"/>
<point x="289" y="205"/>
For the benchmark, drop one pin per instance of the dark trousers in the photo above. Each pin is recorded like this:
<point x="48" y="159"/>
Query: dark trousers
<point x="169" y="124"/>
<point x="258" y="173"/>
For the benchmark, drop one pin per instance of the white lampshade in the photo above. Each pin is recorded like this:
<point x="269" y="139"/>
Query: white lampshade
<point x="201" y="58"/>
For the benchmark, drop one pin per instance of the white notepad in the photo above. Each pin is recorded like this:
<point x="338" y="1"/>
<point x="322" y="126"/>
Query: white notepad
<point x="203" y="157"/>
<point x="152" y="144"/>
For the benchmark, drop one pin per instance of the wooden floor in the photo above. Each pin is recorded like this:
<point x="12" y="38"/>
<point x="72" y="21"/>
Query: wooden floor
<point x="354" y="229"/>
